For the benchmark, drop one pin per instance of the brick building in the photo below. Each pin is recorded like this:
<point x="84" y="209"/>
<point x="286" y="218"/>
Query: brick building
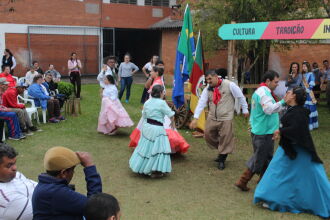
<point x="48" y="31"/>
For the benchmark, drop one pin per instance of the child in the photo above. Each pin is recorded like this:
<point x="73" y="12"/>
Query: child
<point x="102" y="206"/>
<point x="113" y="114"/>
<point x="152" y="154"/>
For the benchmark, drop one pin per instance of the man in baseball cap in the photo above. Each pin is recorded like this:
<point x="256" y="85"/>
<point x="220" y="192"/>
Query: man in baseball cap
<point x="53" y="198"/>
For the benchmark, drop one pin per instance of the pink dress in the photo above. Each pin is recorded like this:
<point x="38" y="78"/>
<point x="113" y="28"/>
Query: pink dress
<point x="113" y="114"/>
<point x="177" y="142"/>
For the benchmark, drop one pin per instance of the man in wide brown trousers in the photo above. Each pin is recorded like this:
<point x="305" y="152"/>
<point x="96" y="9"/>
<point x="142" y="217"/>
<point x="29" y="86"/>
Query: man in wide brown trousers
<point x="220" y="96"/>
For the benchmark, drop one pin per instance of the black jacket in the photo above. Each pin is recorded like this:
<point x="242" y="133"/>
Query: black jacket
<point x="295" y="132"/>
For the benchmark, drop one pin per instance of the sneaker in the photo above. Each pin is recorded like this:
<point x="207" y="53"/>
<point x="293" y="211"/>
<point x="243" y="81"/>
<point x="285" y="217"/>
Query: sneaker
<point x="34" y="128"/>
<point x="53" y="120"/>
<point x="26" y="132"/>
<point x="61" y="118"/>
<point x="17" y="138"/>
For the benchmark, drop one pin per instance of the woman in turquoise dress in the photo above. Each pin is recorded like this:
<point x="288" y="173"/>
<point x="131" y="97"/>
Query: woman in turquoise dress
<point x="152" y="154"/>
<point x="295" y="180"/>
<point x="309" y="79"/>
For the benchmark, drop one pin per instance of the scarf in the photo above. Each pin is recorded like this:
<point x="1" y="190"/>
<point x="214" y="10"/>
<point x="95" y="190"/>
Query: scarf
<point x="273" y="94"/>
<point x="216" y="93"/>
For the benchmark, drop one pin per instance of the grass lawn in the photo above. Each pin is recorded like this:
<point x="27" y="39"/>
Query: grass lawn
<point x="195" y="189"/>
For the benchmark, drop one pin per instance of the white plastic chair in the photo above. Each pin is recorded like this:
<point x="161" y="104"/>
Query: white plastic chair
<point x="16" y="78"/>
<point x="21" y="81"/>
<point x="33" y="110"/>
<point x="4" y="134"/>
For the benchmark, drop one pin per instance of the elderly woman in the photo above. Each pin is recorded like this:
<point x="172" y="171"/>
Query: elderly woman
<point x="295" y="180"/>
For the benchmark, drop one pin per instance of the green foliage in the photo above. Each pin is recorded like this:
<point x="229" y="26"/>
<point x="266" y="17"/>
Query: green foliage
<point x="211" y="14"/>
<point x="65" y="88"/>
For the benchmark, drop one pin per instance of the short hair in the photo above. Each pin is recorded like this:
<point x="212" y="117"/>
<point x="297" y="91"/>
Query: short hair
<point x="4" y="67"/>
<point x="128" y="54"/>
<point x="156" y="91"/>
<point x="34" y="61"/>
<point x="325" y="61"/>
<point x="101" y="206"/>
<point x="271" y="75"/>
<point x="51" y="64"/>
<point x="110" y="79"/>
<point x="48" y="74"/>
<point x="315" y="64"/>
<point x="55" y="173"/>
<point x="222" y="72"/>
<point x="301" y="95"/>
<point x="159" y="62"/>
<point x="309" y="68"/>
<point x="110" y="58"/>
<point x="290" y="70"/>
<point x="210" y="72"/>
<point x="158" y="70"/>
<point x="7" y="151"/>
<point x="35" y="79"/>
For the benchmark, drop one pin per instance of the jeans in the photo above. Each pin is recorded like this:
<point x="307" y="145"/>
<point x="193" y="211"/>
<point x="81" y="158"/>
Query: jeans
<point x="75" y="80"/>
<point x="125" y="82"/>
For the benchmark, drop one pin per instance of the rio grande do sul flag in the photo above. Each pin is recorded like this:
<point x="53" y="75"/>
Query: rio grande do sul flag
<point x="195" y="80"/>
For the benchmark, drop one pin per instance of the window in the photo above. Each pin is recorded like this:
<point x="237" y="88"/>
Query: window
<point x="132" y="2"/>
<point x="165" y="3"/>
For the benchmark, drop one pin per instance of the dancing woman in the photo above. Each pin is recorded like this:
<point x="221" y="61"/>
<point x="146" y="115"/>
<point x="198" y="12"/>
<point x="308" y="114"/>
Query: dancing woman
<point x="112" y="115"/>
<point x="308" y="82"/>
<point x="152" y="154"/>
<point x="295" y="180"/>
<point x="177" y="142"/>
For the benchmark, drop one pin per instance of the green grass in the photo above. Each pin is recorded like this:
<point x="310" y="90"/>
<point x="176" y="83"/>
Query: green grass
<point x="195" y="189"/>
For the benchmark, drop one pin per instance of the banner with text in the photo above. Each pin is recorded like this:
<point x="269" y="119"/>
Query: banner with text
<point x="277" y="30"/>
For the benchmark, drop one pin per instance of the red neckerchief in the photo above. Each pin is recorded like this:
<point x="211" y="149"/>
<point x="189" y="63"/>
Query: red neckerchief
<point x="273" y="94"/>
<point x="216" y="93"/>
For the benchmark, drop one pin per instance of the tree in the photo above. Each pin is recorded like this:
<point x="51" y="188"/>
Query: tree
<point x="252" y="54"/>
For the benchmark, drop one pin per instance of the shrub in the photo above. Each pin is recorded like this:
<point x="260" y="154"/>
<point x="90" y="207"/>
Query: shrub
<point x="65" y="88"/>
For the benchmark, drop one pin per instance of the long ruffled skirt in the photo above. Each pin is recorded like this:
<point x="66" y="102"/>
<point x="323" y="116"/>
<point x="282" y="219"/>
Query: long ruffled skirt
<point x="112" y="116"/>
<point x="177" y="142"/>
<point x="152" y="152"/>
<point x="313" y="116"/>
<point x="296" y="186"/>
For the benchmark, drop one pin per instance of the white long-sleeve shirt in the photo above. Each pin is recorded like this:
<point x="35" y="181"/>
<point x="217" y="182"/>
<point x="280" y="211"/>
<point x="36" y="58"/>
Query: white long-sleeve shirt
<point x="29" y="77"/>
<point x="110" y="91"/>
<point x="266" y="102"/>
<point x="15" y="198"/>
<point x="235" y="91"/>
<point x="102" y="75"/>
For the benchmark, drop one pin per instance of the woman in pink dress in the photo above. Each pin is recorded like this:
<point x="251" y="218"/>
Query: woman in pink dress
<point x="177" y="142"/>
<point x="112" y="115"/>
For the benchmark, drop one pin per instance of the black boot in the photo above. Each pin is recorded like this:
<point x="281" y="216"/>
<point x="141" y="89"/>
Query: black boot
<point x="217" y="159"/>
<point x="222" y="159"/>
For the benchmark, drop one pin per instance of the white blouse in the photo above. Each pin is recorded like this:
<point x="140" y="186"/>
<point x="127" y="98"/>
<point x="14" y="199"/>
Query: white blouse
<point x="110" y="91"/>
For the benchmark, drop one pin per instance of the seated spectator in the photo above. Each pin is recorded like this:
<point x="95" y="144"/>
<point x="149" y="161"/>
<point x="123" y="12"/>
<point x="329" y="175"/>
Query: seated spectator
<point x="9" y="99"/>
<point x="51" y="88"/>
<point x="55" y="74"/>
<point x="6" y="74"/>
<point x="43" y="100"/>
<point x="53" y="198"/>
<point x="36" y="66"/>
<point x="8" y="116"/>
<point x="16" y="189"/>
<point x="102" y="206"/>
<point x="30" y="75"/>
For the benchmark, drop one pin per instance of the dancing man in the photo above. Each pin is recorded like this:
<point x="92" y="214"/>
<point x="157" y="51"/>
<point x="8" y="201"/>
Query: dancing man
<point x="264" y="122"/>
<point x="220" y="96"/>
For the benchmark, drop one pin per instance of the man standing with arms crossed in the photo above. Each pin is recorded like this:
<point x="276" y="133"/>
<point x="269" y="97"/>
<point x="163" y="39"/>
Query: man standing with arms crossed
<point x="220" y="96"/>
<point x="264" y="122"/>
